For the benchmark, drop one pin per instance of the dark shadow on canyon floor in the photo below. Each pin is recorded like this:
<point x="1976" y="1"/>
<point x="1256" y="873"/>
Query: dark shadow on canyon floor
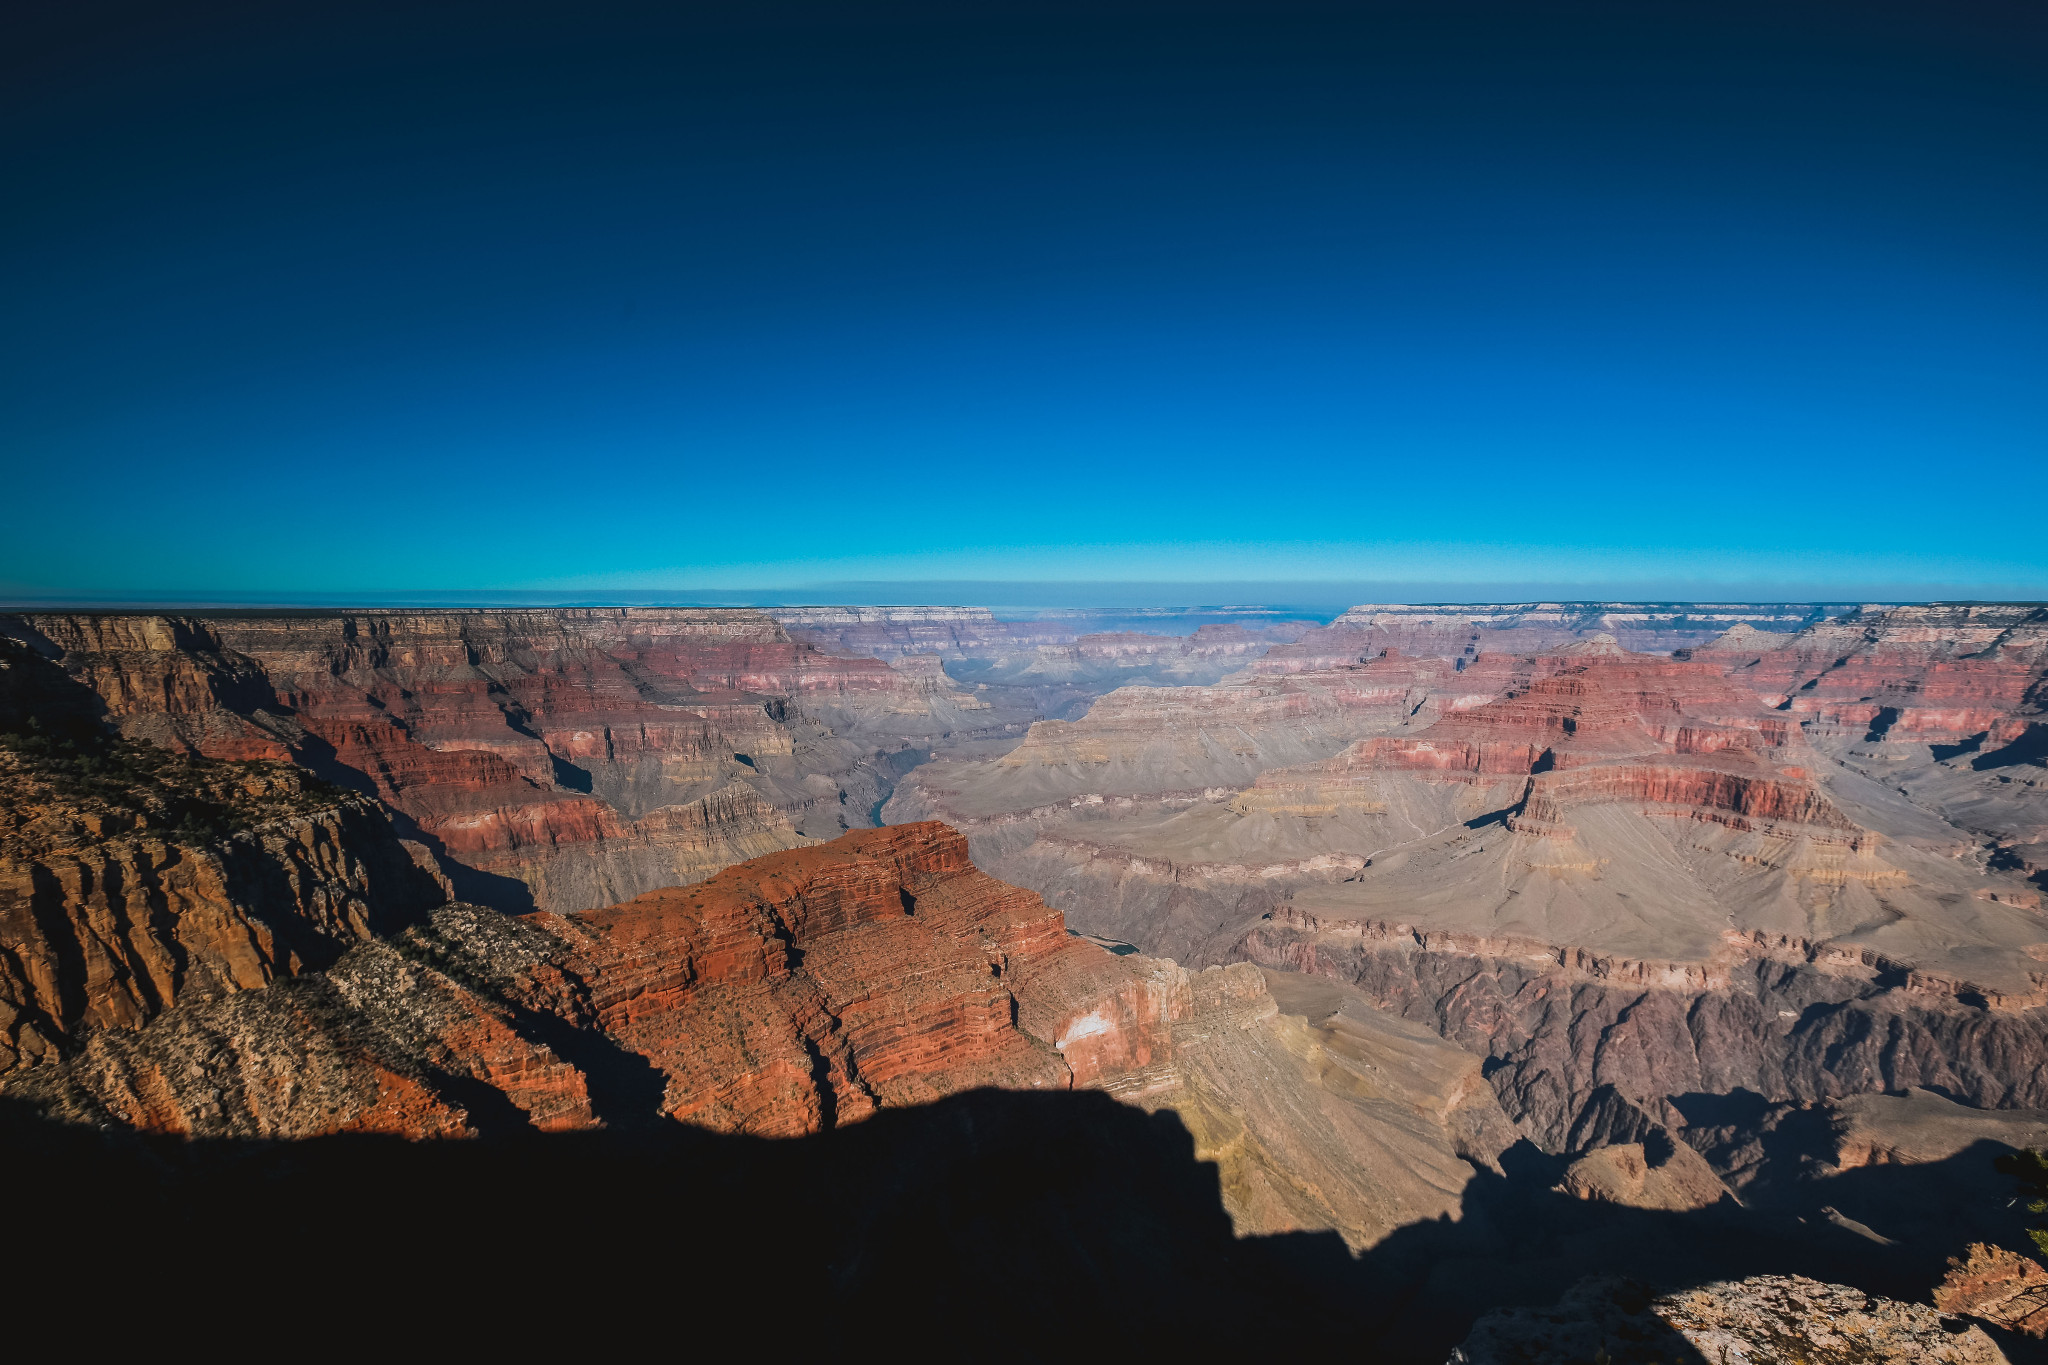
<point x="1000" y="1225"/>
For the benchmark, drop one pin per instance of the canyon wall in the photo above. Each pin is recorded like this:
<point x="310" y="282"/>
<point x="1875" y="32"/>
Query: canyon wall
<point x="796" y="993"/>
<point x="1464" y="630"/>
<point x="1762" y="865"/>
<point x="1052" y="663"/>
<point x="132" y="878"/>
<point x="561" y="758"/>
<point x="789" y="994"/>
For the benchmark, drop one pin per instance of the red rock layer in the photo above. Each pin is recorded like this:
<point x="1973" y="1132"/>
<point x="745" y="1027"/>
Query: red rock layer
<point x="586" y="754"/>
<point x="108" y="919"/>
<point x="800" y="990"/>
<point x="1612" y="727"/>
<point x="1913" y="674"/>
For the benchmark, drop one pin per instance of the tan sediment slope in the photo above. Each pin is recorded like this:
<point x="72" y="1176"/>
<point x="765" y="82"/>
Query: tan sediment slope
<point x="1323" y="1112"/>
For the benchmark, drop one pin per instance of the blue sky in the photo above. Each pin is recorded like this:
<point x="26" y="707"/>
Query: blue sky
<point x="1662" y="297"/>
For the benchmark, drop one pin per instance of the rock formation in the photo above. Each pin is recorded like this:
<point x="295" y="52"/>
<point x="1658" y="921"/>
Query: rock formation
<point x="1322" y="1112"/>
<point x="132" y="878"/>
<point x="1658" y="1175"/>
<point x="1463" y="631"/>
<point x="1936" y="716"/>
<point x="1053" y="663"/>
<point x="796" y="993"/>
<point x="560" y="758"/>
<point x="1611" y="873"/>
<point x="1999" y="1286"/>
<point x="1764" y="1320"/>
<point x="954" y="632"/>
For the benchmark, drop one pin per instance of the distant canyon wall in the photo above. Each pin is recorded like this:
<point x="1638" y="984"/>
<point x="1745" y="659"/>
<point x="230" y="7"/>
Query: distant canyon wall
<point x="1805" y="863"/>
<point x="559" y="758"/>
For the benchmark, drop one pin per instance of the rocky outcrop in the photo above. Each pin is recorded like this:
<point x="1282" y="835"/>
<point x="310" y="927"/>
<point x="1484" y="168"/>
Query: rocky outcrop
<point x="1763" y="1320"/>
<point x="1658" y="1175"/>
<point x="1557" y="1026"/>
<point x="800" y="991"/>
<point x="1999" y="1286"/>
<point x="1930" y="673"/>
<point x="132" y="879"/>
<point x="562" y="758"/>
<point x="1934" y="719"/>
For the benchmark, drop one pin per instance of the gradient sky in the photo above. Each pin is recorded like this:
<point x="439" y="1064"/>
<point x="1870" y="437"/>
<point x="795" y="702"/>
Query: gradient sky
<point x="360" y="298"/>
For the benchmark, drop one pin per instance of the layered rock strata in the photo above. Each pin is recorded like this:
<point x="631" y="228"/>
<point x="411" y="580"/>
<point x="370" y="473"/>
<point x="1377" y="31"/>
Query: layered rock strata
<point x="561" y="758"/>
<point x="954" y="632"/>
<point x="1463" y="631"/>
<point x="796" y="993"/>
<point x="1936" y="716"/>
<point x="1322" y="1112"/>
<point x="1602" y="870"/>
<point x="132" y="879"/>
<point x="1052" y="663"/>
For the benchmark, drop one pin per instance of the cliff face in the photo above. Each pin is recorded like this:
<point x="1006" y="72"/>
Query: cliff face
<point x="1935" y="717"/>
<point x="1451" y="632"/>
<point x="1929" y="673"/>
<point x="560" y="758"/>
<point x="797" y="993"/>
<point x="1056" y="663"/>
<point x="802" y="990"/>
<point x="132" y="879"/>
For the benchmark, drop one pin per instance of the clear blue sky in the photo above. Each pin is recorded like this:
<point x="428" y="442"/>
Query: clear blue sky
<point x="376" y="299"/>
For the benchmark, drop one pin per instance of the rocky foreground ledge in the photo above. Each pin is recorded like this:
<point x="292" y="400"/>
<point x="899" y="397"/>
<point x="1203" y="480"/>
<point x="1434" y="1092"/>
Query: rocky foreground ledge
<point x="1763" y="1320"/>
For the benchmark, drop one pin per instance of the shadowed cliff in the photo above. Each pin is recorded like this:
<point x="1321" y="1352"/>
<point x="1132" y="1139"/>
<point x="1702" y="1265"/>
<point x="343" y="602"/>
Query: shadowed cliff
<point x="1008" y="1225"/>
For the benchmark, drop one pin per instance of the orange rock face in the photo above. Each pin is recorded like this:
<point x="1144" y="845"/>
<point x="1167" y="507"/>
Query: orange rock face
<point x="798" y="991"/>
<point x="132" y="878"/>
<point x="1998" y="1285"/>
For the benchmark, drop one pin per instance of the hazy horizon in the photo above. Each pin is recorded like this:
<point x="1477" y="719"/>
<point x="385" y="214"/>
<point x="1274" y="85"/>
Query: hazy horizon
<point x="1322" y="600"/>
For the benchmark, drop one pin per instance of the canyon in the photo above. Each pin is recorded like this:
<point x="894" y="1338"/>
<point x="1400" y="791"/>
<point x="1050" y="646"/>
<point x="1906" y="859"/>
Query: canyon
<point x="1055" y="663"/>
<point x="558" y="759"/>
<point x="1539" y="940"/>
<point x="1797" y="865"/>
